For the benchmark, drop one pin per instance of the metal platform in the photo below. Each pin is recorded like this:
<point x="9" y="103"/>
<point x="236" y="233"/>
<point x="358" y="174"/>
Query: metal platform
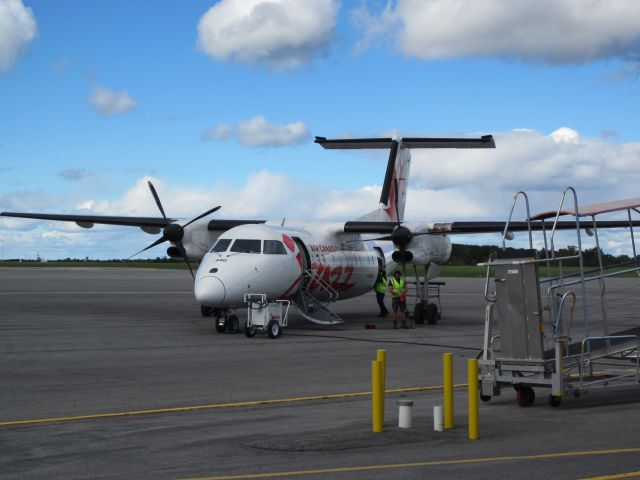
<point x="541" y="341"/>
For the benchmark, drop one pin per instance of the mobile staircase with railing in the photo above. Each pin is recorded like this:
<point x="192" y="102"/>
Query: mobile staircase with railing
<point x="313" y="298"/>
<point x="540" y="344"/>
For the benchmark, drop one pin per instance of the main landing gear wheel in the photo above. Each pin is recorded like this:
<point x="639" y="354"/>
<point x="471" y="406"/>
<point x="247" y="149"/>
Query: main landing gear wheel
<point x="525" y="396"/>
<point x="206" y="311"/>
<point x="273" y="329"/>
<point x="555" y="401"/>
<point x="431" y="314"/>
<point x="419" y="313"/>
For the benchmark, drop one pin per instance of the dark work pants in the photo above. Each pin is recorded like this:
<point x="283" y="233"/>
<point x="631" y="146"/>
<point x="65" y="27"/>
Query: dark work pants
<point x="380" y="299"/>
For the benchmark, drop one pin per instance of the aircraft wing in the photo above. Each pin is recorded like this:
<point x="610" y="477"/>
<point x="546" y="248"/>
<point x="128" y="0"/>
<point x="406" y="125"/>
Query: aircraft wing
<point x="149" y="224"/>
<point x="458" y="228"/>
<point x="88" y="221"/>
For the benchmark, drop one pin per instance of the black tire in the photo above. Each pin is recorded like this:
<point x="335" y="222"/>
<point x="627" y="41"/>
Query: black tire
<point x="250" y="332"/>
<point x="419" y="313"/>
<point x="221" y="325"/>
<point x="485" y="398"/>
<point x="233" y="324"/>
<point x="205" y="311"/>
<point x="555" y="401"/>
<point x="431" y="314"/>
<point x="525" y="396"/>
<point x="273" y="329"/>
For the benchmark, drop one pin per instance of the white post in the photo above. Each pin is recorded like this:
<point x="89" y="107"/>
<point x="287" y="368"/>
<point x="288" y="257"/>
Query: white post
<point x="438" y="418"/>
<point x="404" y="413"/>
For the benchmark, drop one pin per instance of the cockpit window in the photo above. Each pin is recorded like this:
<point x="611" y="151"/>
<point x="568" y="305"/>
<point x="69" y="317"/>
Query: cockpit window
<point x="274" y="247"/>
<point x="221" y="245"/>
<point x="246" y="246"/>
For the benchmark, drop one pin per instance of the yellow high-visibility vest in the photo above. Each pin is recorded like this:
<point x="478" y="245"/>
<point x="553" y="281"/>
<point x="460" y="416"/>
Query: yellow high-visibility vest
<point x="381" y="284"/>
<point x="397" y="287"/>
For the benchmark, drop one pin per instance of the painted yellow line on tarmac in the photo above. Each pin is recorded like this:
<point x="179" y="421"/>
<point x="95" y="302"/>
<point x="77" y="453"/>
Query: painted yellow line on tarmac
<point x="215" y="406"/>
<point x="614" y="476"/>
<point x="369" y="468"/>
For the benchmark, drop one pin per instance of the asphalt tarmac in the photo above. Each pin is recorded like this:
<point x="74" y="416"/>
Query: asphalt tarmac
<point x="113" y="373"/>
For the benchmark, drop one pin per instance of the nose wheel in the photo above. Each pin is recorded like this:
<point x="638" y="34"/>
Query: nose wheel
<point x="226" y="322"/>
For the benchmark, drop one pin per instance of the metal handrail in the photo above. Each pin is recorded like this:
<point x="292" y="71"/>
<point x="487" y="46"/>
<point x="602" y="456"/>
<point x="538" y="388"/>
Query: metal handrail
<point x="506" y="225"/>
<point x="608" y="338"/>
<point x="311" y="276"/>
<point x="557" y="323"/>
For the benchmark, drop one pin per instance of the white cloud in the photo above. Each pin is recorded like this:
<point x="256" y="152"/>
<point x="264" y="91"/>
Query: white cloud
<point x="529" y="160"/>
<point x="278" y="33"/>
<point x="109" y="103"/>
<point x="546" y="31"/>
<point x="18" y="28"/>
<point x="75" y="174"/>
<point x="446" y="185"/>
<point x="258" y="132"/>
<point x="218" y="132"/>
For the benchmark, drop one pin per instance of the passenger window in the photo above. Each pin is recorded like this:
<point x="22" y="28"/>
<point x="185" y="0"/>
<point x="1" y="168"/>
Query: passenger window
<point x="274" y="247"/>
<point x="246" y="246"/>
<point x="221" y="245"/>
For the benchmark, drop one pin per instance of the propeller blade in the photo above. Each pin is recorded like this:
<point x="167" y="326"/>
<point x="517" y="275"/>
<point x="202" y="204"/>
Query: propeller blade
<point x="183" y="252"/>
<point x="202" y="215"/>
<point x="162" y="239"/>
<point x="157" y="199"/>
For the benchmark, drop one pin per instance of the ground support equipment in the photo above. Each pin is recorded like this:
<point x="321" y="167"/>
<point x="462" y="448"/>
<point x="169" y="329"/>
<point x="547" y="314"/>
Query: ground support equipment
<point x="539" y="343"/>
<point x="265" y="316"/>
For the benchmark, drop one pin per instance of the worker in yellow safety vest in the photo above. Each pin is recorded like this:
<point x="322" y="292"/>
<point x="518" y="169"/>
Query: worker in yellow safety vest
<point x="398" y="288"/>
<point x="380" y="288"/>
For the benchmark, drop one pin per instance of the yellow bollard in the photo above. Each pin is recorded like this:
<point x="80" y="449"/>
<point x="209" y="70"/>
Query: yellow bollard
<point x="382" y="358"/>
<point x="448" y="390"/>
<point x="376" y="391"/>
<point x="473" y="399"/>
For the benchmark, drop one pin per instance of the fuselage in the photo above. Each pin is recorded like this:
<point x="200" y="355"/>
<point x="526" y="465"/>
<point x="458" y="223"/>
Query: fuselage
<point x="273" y="260"/>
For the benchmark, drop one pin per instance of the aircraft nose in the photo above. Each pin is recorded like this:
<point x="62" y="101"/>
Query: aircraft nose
<point x="210" y="291"/>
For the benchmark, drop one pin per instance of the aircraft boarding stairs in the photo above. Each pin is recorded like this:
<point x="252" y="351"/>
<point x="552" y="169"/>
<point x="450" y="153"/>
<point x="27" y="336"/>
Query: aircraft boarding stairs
<point x="313" y="297"/>
<point x="539" y="343"/>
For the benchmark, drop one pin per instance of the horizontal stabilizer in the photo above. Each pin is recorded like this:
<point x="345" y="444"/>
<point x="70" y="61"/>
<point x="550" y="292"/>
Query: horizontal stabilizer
<point x="486" y="141"/>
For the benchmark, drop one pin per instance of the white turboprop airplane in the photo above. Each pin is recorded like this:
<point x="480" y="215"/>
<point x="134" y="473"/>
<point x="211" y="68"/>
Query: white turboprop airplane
<point x="309" y="263"/>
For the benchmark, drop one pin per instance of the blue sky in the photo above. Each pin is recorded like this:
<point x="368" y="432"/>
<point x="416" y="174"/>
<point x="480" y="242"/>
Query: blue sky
<point x="218" y="103"/>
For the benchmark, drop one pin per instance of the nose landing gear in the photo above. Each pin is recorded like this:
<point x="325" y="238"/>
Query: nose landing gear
<point x="224" y="320"/>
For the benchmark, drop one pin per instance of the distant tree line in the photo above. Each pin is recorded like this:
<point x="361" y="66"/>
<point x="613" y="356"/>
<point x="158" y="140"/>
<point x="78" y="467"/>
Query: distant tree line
<point x="474" y="254"/>
<point x="114" y="260"/>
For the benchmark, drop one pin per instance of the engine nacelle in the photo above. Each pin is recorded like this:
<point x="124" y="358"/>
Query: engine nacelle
<point x="194" y="253"/>
<point x="402" y="256"/>
<point x="428" y="249"/>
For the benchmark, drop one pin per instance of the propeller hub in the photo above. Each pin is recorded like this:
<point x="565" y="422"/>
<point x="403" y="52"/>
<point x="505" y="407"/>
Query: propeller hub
<point x="401" y="236"/>
<point x="173" y="232"/>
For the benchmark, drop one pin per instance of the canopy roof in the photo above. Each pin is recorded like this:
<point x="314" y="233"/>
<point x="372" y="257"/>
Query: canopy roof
<point x="594" y="209"/>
